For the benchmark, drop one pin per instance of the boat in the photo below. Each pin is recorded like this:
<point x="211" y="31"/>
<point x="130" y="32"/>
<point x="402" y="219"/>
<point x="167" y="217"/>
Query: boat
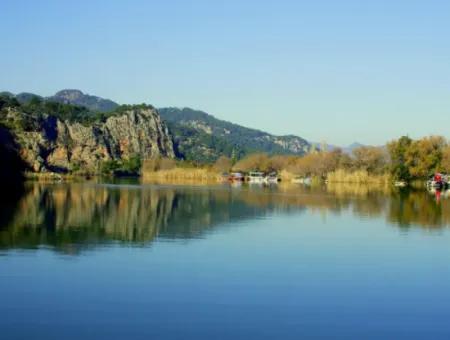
<point x="302" y="180"/>
<point x="255" y="177"/>
<point x="438" y="181"/>
<point x="400" y="184"/>
<point x="271" y="178"/>
<point x="236" y="177"/>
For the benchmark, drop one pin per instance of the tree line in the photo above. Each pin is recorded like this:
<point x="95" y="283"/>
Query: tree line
<point x="403" y="159"/>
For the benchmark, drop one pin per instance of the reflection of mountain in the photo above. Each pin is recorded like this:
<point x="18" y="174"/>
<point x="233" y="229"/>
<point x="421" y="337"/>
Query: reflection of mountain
<point x="70" y="217"/>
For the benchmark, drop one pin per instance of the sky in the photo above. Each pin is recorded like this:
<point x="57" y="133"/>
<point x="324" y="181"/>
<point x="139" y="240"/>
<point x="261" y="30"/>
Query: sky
<point x="334" y="71"/>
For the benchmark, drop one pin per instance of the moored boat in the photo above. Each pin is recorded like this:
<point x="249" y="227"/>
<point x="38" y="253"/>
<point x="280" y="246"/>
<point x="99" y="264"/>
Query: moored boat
<point x="400" y="184"/>
<point x="302" y="180"/>
<point x="236" y="177"/>
<point x="438" y="181"/>
<point x="271" y="178"/>
<point x="255" y="177"/>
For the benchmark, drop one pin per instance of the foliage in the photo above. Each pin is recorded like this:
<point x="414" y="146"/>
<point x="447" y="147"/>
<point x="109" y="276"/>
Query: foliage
<point x="397" y="152"/>
<point x="371" y="159"/>
<point x="256" y="161"/>
<point x="157" y="164"/>
<point x="199" y="146"/>
<point x="445" y="163"/>
<point x="34" y="108"/>
<point x="201" y="137"/>
<point x="223" y="164"/>
<point x="424" y="156"/>
<point x="417" y="159"/>
<point x="130" y="166"/>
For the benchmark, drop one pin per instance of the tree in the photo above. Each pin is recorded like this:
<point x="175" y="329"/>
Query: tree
<point x="369" y="158"/>
<point x="223" y="164"/>
<point x="424" y="156"/>
<point x="397" y="152"/>
<point x="256" y="161"/>
<point x="445" y="164"/>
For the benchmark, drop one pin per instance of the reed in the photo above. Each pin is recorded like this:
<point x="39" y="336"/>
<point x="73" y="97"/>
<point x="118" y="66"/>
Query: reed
<point x="178" y="175"/>
<point x="358" y="177"/>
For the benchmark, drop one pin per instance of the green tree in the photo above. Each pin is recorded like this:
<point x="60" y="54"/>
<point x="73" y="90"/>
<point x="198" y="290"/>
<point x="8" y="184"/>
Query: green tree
<point x="397" y="152"/>
<point x="424" y="156"/>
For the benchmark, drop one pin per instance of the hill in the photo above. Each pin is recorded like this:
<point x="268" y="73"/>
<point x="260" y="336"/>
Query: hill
<point x="74" y="97"/>
<point x="202" y="137"/>
<point x="198" y="136"/>
<point x="57" y="137"/>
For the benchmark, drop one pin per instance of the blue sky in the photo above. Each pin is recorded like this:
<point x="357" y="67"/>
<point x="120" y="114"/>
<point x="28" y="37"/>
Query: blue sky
<point x="339" y="71"/>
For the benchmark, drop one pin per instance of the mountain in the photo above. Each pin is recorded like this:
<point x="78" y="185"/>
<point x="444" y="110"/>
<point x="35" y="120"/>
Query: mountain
<point x="6" y="94"/>
<point x="76" y="97"/>
<point x="345" y="149"/>
<point x="25" y="97"/>
<point x="197" y="135"/>
<point x="202" y="137"/>
<point x="349" y="148"/>
<point x="62" y="137"/>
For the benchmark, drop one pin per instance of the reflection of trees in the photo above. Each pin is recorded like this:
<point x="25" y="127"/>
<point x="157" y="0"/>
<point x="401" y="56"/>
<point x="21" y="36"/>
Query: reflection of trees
<point x="77" y="214"/>
<point x="418" y="208"/>
<point x="73" y="216"/>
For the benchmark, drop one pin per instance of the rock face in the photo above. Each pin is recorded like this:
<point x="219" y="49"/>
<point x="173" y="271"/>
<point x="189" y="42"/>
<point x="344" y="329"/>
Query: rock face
<point x="56" y="145"/>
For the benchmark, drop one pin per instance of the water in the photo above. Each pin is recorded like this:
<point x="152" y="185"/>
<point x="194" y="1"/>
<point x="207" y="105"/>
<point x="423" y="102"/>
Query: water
<point x="123" y="261"/>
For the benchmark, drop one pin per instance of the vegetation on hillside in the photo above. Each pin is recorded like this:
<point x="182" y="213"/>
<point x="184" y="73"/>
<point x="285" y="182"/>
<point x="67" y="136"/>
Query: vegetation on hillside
<point x="202" y="137"/>
<point x="36" y="108"/>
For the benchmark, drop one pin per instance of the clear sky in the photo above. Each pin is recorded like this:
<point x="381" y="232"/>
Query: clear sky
<point x="339" y="71"/>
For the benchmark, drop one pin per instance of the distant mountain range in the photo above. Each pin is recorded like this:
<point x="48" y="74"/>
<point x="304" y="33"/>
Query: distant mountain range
<point x="197" y="135"/>
<point x="330" y="147"/>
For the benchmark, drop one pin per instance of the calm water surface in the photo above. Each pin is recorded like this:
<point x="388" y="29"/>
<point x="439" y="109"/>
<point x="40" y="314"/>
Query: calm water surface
<point x="129" y="261"/>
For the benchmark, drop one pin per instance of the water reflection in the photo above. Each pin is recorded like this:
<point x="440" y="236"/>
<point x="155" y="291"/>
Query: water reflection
<point x="72" y="217"/>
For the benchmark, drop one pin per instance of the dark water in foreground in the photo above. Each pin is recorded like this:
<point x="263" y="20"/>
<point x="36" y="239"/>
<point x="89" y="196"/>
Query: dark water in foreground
<point x="99" y="261"/>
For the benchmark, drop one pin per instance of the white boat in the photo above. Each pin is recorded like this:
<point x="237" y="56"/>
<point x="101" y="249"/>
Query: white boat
<point x="271" y="178"/>
<point x="400" y="184"/>
<point x="256" y="177"/>
<point x="302" y="180"/>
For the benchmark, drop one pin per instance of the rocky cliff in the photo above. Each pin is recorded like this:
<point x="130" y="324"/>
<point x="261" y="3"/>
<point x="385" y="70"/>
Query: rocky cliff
<point x="49" y="143"/>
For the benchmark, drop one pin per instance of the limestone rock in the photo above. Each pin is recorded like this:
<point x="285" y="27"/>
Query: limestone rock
<point x="59" y="146"/>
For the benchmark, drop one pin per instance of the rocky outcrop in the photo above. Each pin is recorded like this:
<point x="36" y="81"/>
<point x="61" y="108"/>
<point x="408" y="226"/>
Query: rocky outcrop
<point x="61" y="146"/>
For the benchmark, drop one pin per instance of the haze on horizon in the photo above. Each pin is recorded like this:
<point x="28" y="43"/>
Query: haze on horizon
<point x="325" y="70"/>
